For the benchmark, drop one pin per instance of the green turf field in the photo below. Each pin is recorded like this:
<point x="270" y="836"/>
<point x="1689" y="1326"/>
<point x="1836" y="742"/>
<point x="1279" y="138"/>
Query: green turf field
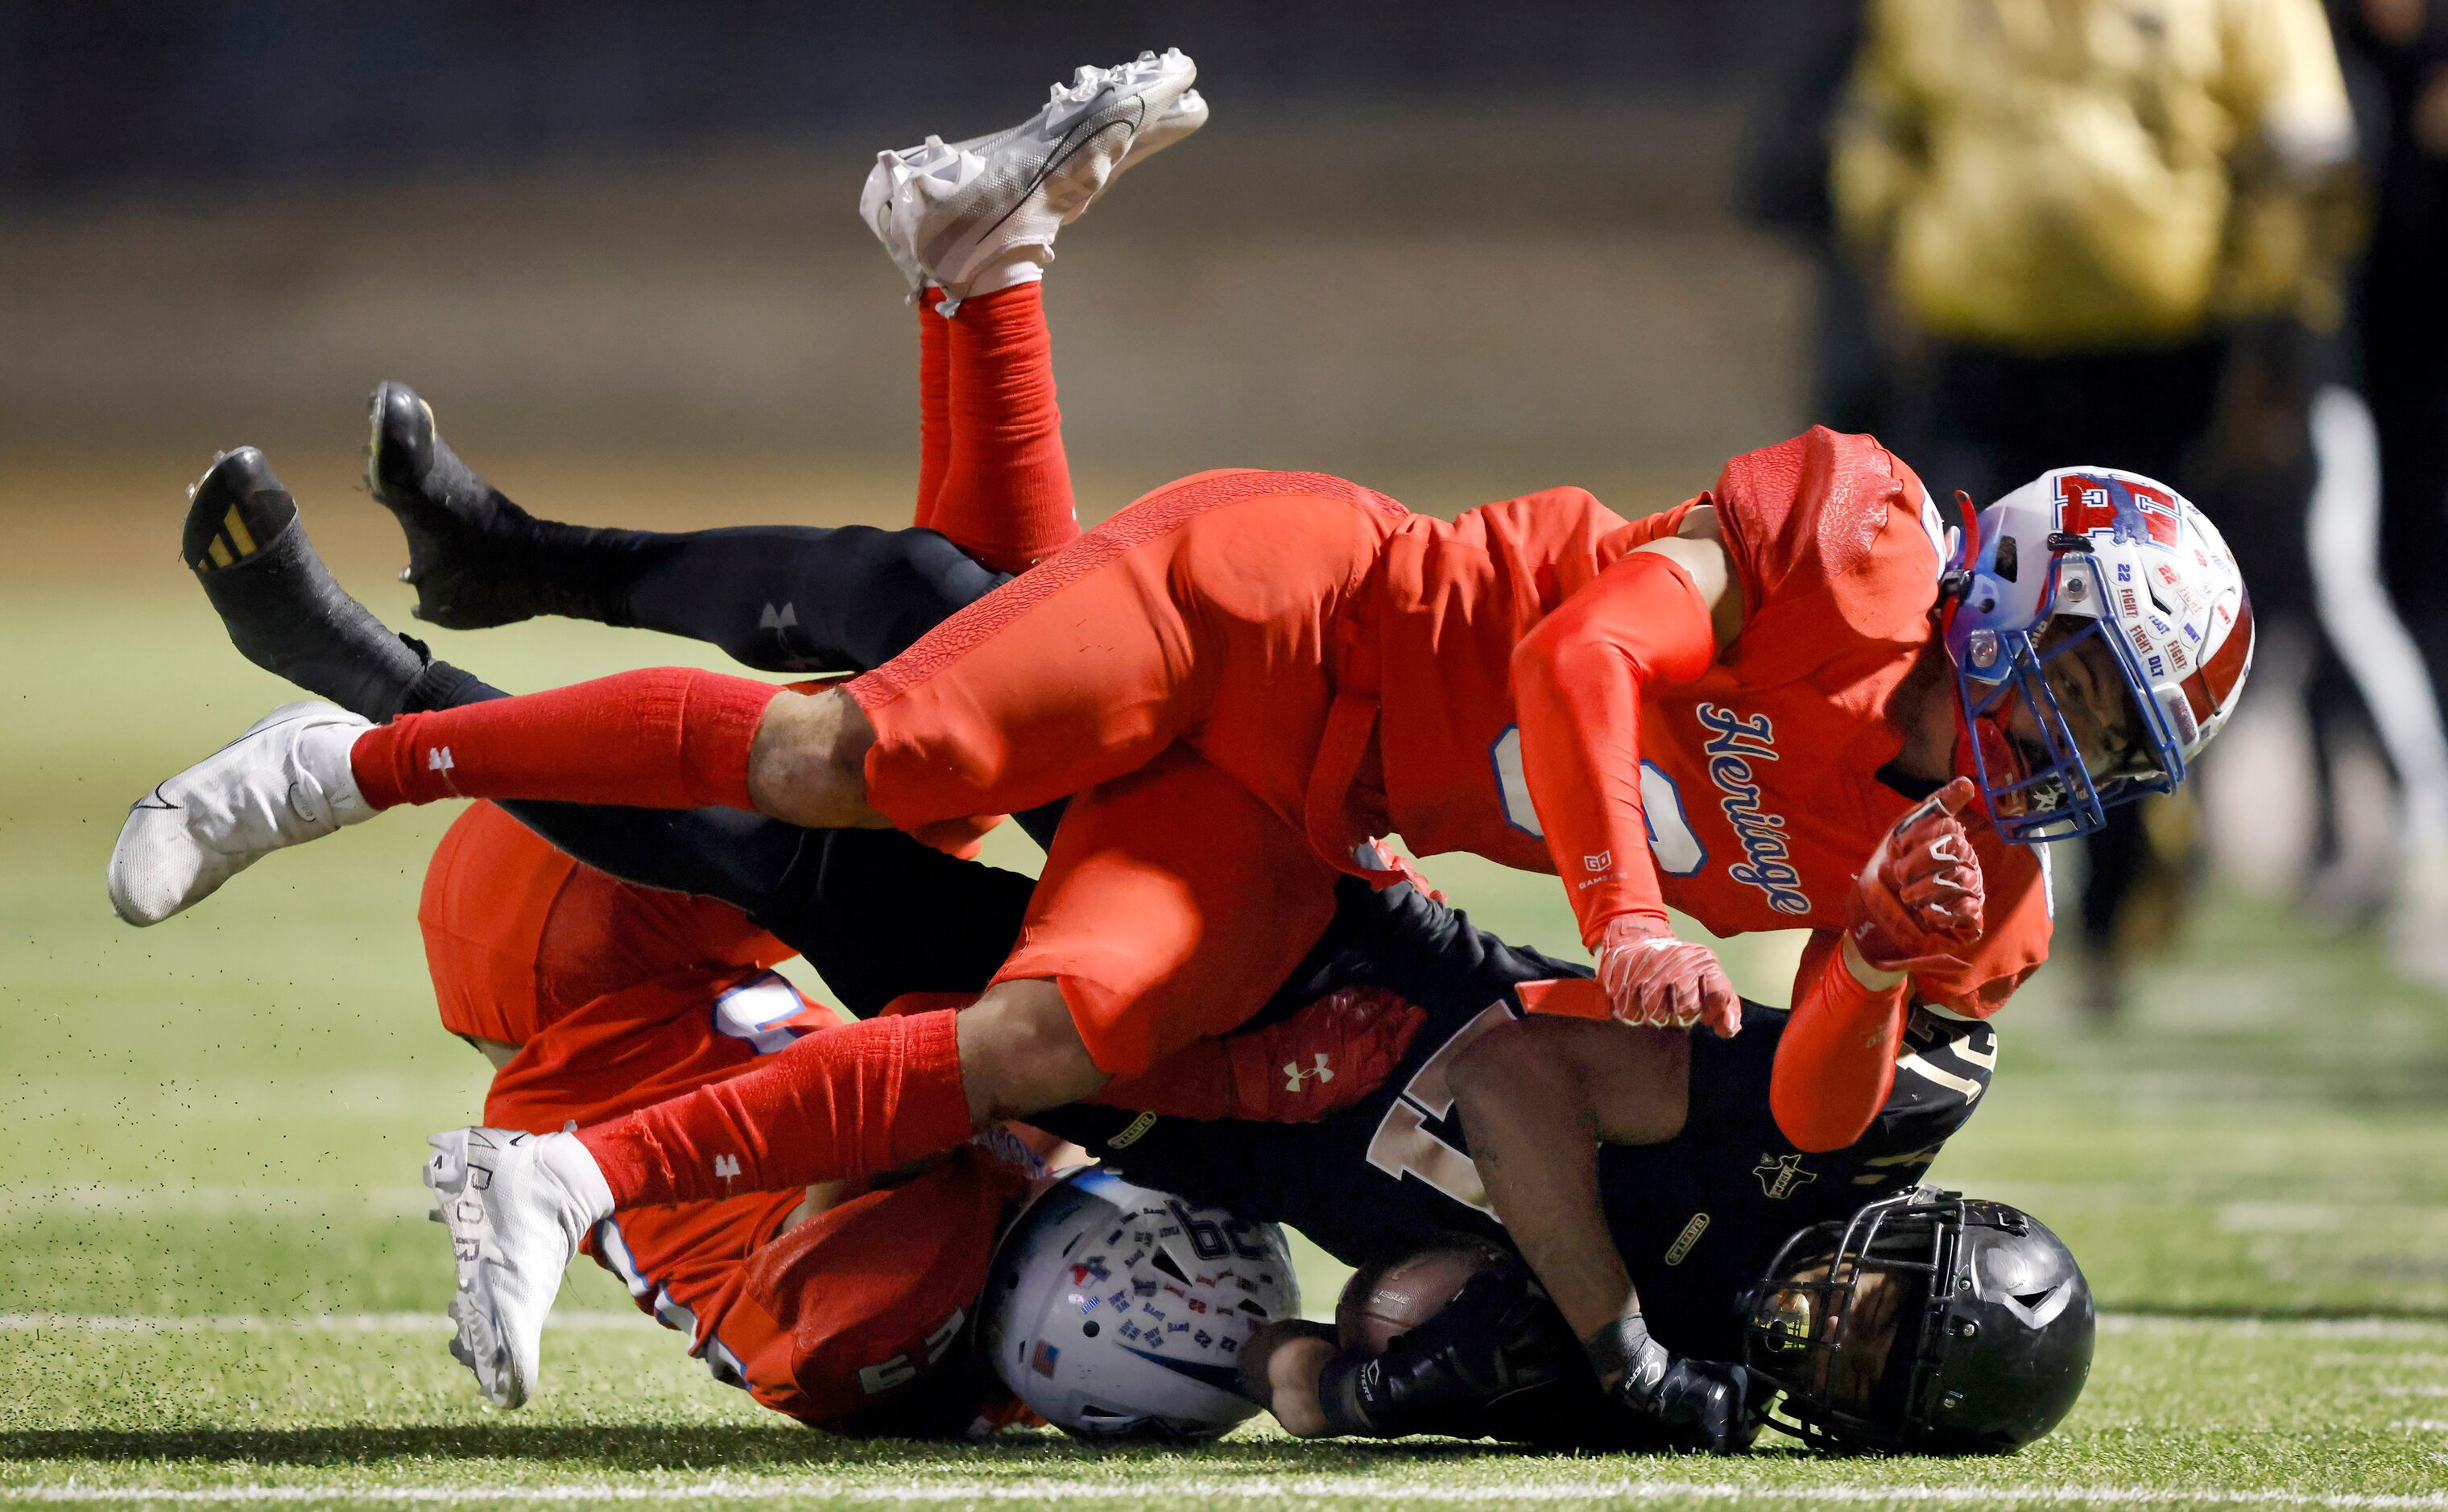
<point x="216" y="1284"/>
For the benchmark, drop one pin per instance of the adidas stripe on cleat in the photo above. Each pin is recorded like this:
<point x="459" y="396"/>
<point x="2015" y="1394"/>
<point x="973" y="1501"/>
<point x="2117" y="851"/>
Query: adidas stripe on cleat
<point x="246" y="542"/>
<point x="234" y="508"/>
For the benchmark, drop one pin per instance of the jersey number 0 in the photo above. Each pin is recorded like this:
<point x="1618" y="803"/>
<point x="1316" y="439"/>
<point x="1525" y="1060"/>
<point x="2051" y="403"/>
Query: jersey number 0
<point x="1678" y="850"/>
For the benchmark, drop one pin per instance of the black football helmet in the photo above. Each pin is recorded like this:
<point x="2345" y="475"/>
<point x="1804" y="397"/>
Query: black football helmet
<point x="1927" y="1323"/>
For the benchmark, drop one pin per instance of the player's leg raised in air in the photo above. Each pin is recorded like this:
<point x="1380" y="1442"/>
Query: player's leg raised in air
<point x="927" y="1041"/>
<point x="1275" y="627"/>
<point x="813" y="889"/>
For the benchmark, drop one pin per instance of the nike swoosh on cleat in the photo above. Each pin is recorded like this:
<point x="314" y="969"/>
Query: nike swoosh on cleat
<point x="154" y="801"/>
<point x="1063" y="153"/>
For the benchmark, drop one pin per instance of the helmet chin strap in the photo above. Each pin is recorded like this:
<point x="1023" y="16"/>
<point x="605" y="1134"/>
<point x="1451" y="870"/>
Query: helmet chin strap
<point x="1966" y="763"/>
<point x="2006" y="765"/>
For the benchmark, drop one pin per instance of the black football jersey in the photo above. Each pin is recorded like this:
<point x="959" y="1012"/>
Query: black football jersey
<point x="1697" y="1217"/>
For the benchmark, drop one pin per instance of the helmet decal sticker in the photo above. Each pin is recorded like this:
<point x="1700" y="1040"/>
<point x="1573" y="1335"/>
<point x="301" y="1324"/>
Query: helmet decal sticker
<point x="2132" y="512"/>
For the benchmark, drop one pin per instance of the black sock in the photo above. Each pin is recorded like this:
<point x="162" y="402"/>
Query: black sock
<point x="777" y="598"/>
<point x="440" y="686"/>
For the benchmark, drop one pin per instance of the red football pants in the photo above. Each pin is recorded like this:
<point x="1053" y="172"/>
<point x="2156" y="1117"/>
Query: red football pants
<point x="1173" y="669"/>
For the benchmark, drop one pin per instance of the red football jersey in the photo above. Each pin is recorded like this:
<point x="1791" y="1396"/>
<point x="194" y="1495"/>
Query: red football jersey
<point x="620" y="996"/>
<point x="1759" y="781"/>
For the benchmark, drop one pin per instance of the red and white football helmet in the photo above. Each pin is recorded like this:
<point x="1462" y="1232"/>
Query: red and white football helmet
<point x="2076" y="555"/>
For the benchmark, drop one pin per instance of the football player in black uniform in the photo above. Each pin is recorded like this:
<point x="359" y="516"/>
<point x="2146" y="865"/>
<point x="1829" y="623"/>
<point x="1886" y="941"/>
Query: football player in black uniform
<point x="1699" y="1215"/>
<point x="1705" y="1219"/>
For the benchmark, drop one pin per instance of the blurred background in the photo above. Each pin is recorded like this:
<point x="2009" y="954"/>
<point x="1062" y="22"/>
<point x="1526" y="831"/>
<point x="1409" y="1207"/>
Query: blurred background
<point x="1457" y="252"/>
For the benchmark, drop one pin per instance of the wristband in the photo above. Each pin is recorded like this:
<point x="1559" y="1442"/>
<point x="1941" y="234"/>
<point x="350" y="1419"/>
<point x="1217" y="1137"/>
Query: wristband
<point x="1623" y="1353"/>
<point x="1345" y="1388"/>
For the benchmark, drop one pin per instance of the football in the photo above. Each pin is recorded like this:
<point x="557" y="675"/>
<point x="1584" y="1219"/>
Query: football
<point x="1394" y="1296"/>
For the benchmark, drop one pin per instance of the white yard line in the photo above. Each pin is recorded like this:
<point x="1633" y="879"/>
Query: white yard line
<point x="579" y="1322"/>
<point x="2427" y="1330"/>
<point x="594" y="1320"/>
<point x="1369" y="1488"/>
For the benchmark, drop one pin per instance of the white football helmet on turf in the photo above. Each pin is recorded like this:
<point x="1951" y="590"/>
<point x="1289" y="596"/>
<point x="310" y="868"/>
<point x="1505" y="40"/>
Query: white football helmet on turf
<point x="2076" y="556"/>
<point x="1115" y="1310"/>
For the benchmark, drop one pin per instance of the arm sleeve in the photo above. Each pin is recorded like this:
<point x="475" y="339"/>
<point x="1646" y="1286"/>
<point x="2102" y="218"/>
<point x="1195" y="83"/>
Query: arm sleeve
<point x="1576" y="686"/>
<point x="1836" y="1061"/>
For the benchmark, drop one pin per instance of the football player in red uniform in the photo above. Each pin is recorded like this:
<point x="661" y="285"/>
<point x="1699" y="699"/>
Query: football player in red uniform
<point x="1245" y="678"/>
<point x="593" y="997"/>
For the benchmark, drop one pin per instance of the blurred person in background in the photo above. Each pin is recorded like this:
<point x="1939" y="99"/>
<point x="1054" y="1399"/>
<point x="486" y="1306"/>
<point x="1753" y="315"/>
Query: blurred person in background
<point x="2396" y="486"/>
<point x="2401" y="304"/>
<point x="2101" y="230"/>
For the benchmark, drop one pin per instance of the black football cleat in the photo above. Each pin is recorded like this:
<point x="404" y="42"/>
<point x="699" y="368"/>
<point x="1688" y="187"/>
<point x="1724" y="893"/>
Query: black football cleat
<point x="475" y="559"/>
<point x="283" y="610"/>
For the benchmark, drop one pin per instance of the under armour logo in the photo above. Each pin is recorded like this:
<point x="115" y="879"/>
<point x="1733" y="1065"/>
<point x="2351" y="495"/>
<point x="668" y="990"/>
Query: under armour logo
<point x="1294" y="1075"/>
<point x="438" y="758"/>
<point x="786" y="617"/>
<point x="726" y="1167"/>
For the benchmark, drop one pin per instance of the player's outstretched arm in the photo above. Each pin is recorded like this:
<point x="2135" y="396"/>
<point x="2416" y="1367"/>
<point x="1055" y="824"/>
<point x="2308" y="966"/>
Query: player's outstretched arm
<point x="1916" y="906"/>
<point x="1656" y="619"/>
<point x="1537" y="1097"/>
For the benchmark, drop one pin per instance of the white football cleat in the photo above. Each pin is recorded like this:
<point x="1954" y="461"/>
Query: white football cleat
<point x="515" y="1219"/>
<point x="284" y="782"/>
<point x="879" y="199"/>
<point x="894" y="218"/>
<point x="979" y="216"/>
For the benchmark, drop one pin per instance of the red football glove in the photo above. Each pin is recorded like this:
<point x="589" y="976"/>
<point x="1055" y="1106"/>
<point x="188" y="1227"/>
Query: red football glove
<point x="1324" y="1058"/>
<point x="1652" y="978"/>
<point x="1918" y="904"/>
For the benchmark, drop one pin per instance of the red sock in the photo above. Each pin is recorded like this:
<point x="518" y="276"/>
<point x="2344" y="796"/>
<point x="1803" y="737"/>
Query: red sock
<point x="1005" y="497"/>
<point x="665" y="738"/>
<point x="934" y="403"/>
<point x="839" y="1106"/>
